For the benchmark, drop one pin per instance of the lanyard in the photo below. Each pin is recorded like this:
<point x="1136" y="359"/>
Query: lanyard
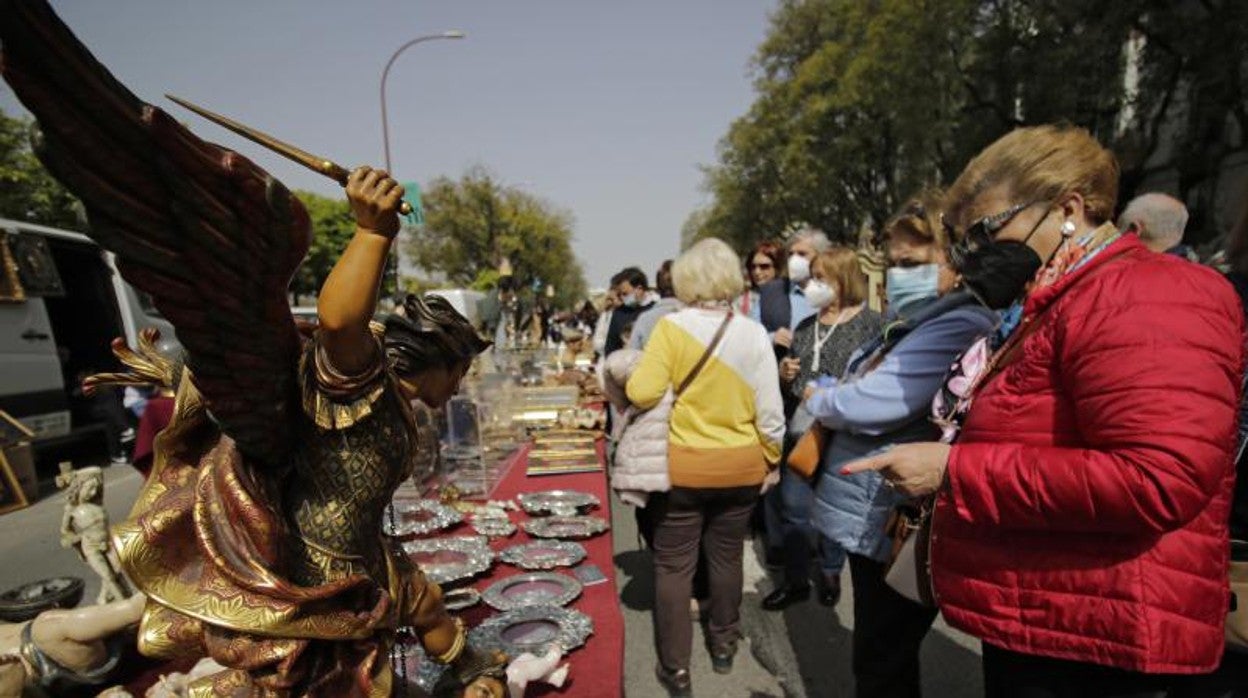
<point x="820" y="341"/>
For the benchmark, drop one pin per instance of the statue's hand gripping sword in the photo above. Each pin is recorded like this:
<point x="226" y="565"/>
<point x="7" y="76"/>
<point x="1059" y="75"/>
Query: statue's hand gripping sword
<point x="329" y="168"/>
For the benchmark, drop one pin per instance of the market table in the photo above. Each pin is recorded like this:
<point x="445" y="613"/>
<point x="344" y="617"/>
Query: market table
<point x="597" y="668"/>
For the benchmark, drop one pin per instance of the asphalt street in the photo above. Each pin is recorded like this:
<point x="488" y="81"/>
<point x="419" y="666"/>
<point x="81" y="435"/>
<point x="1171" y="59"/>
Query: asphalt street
<point x="802" y="652"/>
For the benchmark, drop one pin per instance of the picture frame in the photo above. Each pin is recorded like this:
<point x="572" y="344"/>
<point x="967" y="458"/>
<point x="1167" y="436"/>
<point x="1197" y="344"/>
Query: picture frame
<point x="12" y="431"/>
<point x="11" y="289"/>
<point x="12" y="497"/>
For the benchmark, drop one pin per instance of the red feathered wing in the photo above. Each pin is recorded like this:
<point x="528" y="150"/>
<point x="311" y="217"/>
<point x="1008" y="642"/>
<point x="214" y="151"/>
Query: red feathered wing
<point x="212" y="237"/>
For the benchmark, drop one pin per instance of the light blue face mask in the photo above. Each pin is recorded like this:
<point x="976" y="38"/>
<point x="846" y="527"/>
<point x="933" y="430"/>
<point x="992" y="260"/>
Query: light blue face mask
<point x="907" y="287"/>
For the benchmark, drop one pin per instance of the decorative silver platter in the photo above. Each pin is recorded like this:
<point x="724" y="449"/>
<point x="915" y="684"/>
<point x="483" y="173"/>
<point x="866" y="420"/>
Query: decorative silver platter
<point x="420" y="517"/>
<point x="569" y="527"/>
<point x="559" y="502"/>
<point x="451" y="559"/>
<point x="532" y="589"/>
<point x="532" y="629"/>
<point x="461" y="598"/>
<point x="543" y="554"/>
<point x="409" y="659"/>
<point x="493" y="526"/>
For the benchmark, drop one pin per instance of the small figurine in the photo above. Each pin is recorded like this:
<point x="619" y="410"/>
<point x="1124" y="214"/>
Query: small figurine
<point x="85" y="527"/>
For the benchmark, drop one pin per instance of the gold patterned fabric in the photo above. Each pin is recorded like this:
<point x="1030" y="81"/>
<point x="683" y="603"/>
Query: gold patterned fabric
<point x="285" y="580"/>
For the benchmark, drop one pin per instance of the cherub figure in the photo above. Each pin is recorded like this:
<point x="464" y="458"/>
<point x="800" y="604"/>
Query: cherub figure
<point x="84" y="527"/>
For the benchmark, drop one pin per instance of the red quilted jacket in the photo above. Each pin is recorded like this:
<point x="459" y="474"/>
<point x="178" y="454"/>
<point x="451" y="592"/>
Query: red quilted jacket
<point x="1086" y="517"/>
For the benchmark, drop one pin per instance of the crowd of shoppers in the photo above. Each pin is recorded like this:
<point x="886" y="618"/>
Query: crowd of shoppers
<point x="1037" y="436"/>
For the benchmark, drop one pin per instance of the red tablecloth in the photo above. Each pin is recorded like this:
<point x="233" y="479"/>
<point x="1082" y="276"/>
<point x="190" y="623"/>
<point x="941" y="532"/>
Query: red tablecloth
<point x="155" y="418"/>
<point x="598" y="666"/>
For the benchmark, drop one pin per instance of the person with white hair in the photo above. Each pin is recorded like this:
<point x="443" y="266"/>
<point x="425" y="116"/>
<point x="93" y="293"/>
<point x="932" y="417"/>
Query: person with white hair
<point x="782" y="302"/>
<point x="1159" y="219"/>
<point x="724" y="438"/>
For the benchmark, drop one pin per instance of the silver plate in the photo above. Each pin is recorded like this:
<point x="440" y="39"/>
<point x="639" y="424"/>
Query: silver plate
<point x="495" y="527"/>
<point x="532" y="589"/>
<point x="450" y="559"/>
<point x="409" y="659"/>
<point x="532" y="629"/>
<point x="568" y="527"/>
<point x="559" y="502"/>
<point x="543" y="554"/>
<point x="420" y="517"/>
<point x="461" y="598"/>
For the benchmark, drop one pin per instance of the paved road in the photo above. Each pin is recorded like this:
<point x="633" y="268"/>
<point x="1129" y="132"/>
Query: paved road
<point x="803" y="652"/>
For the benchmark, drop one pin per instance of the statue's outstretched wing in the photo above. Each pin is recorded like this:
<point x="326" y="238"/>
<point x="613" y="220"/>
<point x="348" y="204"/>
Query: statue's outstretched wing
<point x="212" y="237"/>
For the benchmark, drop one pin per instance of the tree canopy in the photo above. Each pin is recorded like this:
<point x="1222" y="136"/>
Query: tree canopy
<point x="861" y="104"/>
<point x="332" y="228"/>
<point x="474" y="222"/>
<point x="27" y="191"/>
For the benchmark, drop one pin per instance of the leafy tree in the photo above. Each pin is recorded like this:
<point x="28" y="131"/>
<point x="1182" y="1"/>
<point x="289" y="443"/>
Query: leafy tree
<point x="473" y="223"/>
<point x="860" y="104"/>
<point x="332" y="228"/>
<point x="27" y="191"/>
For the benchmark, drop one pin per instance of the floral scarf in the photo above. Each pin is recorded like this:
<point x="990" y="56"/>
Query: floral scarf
<point x="953" y="400"/>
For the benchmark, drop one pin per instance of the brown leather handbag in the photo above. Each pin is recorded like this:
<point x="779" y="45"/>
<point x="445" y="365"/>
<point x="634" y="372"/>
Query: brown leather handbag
<point x="807" y="453"/>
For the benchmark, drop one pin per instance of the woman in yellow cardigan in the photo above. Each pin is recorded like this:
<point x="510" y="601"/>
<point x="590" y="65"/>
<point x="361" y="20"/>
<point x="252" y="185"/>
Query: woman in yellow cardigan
<point x="723" y="445"/>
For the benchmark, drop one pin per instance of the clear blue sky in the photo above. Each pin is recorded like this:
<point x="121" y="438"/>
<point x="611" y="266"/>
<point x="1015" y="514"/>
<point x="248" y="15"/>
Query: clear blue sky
<point x="604" y="107"/>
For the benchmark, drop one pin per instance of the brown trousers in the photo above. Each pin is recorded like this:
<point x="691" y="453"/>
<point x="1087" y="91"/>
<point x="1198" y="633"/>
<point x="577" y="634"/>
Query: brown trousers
<point x="686" y="520"/>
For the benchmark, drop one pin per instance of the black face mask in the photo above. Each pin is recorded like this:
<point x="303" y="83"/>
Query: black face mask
<point x="999" y="271"/>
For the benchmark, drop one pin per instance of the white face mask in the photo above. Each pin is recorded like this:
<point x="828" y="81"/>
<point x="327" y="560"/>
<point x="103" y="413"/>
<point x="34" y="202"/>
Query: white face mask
<point x="799" y="269"/>
<point x="819" y="294"/>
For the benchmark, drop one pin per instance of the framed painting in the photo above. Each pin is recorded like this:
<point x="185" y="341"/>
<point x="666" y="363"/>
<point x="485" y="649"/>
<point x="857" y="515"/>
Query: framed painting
<point x="11" y="290"/>
<point x="11" y="495"/>
<point x="12" y="431"/>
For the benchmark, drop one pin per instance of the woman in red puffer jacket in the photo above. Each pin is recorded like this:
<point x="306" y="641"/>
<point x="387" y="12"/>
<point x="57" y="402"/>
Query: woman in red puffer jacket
<point x="1080" y="525"/>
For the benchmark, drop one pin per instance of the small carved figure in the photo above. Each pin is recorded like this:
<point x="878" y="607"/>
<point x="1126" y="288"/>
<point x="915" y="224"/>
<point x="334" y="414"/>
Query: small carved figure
<point x="85" y="528"/>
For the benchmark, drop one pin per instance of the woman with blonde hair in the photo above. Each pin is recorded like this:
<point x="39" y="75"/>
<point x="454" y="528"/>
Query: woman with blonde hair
<point x="1080" y="518"/>
<point x="822" y="345"/>
<point x="725" y="432"/>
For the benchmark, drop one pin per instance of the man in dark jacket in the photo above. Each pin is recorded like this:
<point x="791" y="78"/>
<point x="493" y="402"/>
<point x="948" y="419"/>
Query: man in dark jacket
<point x="631" y="286"/>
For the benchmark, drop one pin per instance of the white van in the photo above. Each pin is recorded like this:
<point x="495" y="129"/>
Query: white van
<point x="466" y="301"/>
<point x="62" y="303"/>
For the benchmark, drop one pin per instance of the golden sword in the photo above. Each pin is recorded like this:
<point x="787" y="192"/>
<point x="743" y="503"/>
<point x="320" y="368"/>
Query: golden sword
<point x="320" y="165"/>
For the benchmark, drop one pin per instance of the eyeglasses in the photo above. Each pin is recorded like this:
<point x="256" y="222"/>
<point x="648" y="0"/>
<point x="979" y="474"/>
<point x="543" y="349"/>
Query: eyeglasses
<point x="982" y="231"/>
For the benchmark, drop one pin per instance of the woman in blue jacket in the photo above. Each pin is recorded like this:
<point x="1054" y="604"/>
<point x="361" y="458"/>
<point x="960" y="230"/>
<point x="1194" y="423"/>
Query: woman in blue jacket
<point x="883" y="399"/>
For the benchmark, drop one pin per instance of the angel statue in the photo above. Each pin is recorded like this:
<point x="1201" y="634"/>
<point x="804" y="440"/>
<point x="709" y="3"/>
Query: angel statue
<point x="257" y="538"/>
<point x="84" y="527"/>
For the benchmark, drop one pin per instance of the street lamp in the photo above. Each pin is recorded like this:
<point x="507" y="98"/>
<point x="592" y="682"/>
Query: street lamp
<point x="385" y="121"/>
